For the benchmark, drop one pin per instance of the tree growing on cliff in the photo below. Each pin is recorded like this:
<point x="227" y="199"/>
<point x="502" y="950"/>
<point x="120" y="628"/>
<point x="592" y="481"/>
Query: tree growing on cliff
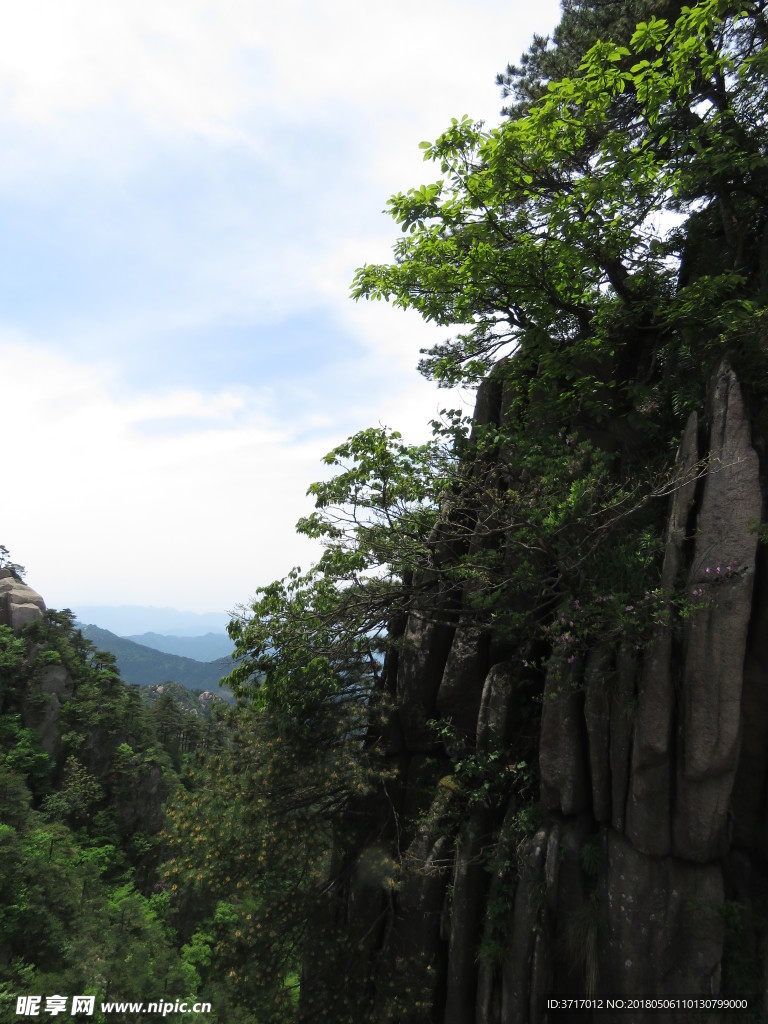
<point x="546" y="236"/>
<point x="594" y="252"/>
<point x="596" y="255"/>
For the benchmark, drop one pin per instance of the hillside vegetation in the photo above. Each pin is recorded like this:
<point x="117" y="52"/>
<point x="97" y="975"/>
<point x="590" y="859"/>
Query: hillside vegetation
<point x="144" y="665"/>
<point x="86" y="769"/>
<point x="507" y="741"/>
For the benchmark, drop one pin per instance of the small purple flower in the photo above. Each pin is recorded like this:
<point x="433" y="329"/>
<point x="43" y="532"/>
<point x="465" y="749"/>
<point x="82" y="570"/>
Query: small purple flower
<point x="576" y="605"/>
<point x="571" y="660"/>
<point x="717" y="570"/>
<point x="629" y="608"/>
<point x="707" y="570"/>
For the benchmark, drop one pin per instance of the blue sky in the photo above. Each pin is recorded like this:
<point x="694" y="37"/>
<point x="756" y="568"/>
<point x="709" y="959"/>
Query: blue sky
<point x="186" y="189"/>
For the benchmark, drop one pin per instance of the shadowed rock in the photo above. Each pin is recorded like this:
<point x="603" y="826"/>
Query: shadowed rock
<point x="648" y="804"/>
<point x="723" y="572"/>
<point x="622" y="727"/>
<point x="493" y="717"/>
<point x="660" y="921"/>
<point x="562" y="748"/>
<point x="621" y="880"/>
<point x="466" y="920"/>
<point x="460" y="692"/>
<point x="597" y="713"/>
<point x="515" y="1003"/>
<point x="425" y="647"/>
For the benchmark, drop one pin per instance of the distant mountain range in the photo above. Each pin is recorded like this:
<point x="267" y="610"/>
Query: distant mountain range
<point x="202" y="648"/>
<point x="134" y="619"/>
<point x="141" y="664"/>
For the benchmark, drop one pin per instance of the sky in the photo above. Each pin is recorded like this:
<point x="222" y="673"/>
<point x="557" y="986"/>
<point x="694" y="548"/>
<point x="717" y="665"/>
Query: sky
<point x="186" y="189"/>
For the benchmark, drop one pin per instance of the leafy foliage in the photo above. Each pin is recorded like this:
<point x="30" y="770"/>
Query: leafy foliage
<point x="595" y="256"/>
<point x="544" y="235"/>
<point x="17" y="571"/>
<point x="82" y="780"/>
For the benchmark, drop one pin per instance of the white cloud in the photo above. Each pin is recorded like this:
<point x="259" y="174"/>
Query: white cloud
<point x="169" y="60"/>
<point x="200" y="510"/>
<point x="176" y="169"/>
<point x="201" y="66"/>
<point x="196" y="511"/>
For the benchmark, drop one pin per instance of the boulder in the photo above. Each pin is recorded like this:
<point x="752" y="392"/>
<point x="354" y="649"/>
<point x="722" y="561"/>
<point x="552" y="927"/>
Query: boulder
<point x="19" y="604"/>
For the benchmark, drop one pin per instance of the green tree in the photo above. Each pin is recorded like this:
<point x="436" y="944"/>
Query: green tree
<point x="565" y="248"/>
<point x="582" y="24"/>
<point x="81" y="907"/>
<point x="596" y="255"/>
<point x="544" y="235"/>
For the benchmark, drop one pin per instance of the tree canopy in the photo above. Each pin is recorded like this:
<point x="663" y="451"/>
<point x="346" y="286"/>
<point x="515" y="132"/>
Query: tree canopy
<point x="594" y="256"/>
<point x="566" y="225"/>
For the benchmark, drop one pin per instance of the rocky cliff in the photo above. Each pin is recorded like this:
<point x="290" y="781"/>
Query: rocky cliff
<point x="630" y="860"/>
<point x="19" y="604"/>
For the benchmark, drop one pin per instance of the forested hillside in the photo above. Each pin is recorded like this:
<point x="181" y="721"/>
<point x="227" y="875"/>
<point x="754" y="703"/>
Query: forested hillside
<point x="145" y="665"/>
<point x="207" y="647"/>
<point x="506" y="743"/>
<point x="86" y="770"/>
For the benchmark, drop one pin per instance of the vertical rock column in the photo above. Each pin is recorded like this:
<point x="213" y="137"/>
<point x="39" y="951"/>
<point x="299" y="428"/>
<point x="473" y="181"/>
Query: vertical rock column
<point x="649" y="801"/>
<point x="721" y="577"/>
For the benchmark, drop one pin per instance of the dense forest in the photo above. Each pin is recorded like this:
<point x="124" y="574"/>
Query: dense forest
<point x="506" y="743"/>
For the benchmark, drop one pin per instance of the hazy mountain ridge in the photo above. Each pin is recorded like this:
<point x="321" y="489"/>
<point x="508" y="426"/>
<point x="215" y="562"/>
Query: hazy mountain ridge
<point x="209" y="647"/>
<point x="130" y="620"/>
<point x="140" y="664"/>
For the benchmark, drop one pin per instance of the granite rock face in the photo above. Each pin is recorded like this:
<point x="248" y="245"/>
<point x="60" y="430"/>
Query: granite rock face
<point x="19" y="604"/>
<point x="650" y="824"/>
<point x="709" y="729"/>
<point x="649" y="799"/>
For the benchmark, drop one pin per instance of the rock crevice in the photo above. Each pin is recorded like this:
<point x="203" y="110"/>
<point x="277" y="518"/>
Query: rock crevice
<point x="652" y="774"/>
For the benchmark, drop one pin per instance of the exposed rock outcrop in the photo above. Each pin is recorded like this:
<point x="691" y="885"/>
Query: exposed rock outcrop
<point x="649" y="800"/>
<point x="19" y="604"/>
<point x="652" y="767"/>
<point x="723" y="570"/>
